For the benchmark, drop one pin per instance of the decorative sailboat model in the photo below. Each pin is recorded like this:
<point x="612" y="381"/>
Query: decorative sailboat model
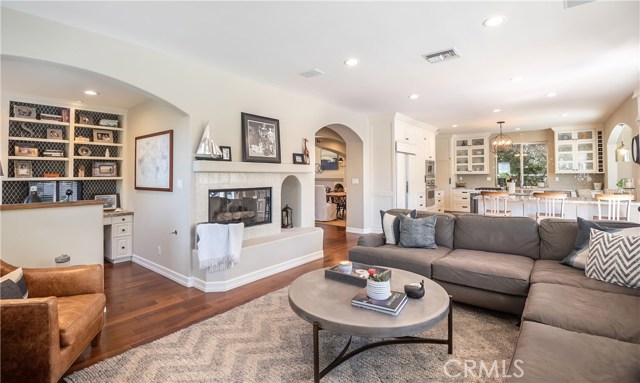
<point x="208" y="150"/>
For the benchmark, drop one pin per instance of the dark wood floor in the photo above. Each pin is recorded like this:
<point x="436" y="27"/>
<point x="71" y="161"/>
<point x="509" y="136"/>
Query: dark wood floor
<point x="143" y="306"/>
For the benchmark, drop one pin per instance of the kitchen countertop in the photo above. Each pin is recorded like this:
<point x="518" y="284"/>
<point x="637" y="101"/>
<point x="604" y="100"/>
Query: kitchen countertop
<point x="572" y="200"/>
<point x="109" y="214"/>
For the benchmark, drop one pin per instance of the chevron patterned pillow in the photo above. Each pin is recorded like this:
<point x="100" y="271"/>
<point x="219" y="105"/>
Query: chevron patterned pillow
<point x="614" y="258"/>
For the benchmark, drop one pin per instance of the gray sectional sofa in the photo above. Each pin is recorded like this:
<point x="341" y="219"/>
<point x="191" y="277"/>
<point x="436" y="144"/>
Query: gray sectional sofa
<point x="574" y="328"/>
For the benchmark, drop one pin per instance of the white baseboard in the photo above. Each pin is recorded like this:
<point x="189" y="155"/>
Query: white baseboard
<point x="357" y="230"/>
<point x="165" y="272"/>
<point x="227" y="285"/>
<point x="209" y="287"/>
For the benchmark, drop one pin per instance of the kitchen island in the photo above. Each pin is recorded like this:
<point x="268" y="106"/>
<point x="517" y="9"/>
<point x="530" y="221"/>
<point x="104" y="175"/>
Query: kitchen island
<point x="525" y="206"/>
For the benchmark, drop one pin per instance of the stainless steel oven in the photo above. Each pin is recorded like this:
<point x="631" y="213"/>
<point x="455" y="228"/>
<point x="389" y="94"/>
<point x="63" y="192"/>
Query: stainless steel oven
<point x="430" y="191"/>
<point x="430" y="169"/>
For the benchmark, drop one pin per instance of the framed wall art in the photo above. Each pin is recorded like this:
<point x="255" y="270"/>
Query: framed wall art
<point x="298" y="158"/>
<point x="154" y="161"/>
<point x="110" y="201"/>
<point x="260" y="139"/>
<point x="226" y="153"/>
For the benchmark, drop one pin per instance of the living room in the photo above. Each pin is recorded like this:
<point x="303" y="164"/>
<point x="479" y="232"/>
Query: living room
<point x="179" y="88"/>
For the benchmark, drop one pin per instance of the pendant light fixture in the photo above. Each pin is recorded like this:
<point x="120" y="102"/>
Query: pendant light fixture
<point x="622" y="153"/>
<point x="500" y="142"/>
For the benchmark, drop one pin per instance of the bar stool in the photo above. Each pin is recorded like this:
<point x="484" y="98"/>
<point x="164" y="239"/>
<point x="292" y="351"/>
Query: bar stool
<point x="492" y="201"/>
<point x="550" y="201"/>
<point x="614" y="202"/>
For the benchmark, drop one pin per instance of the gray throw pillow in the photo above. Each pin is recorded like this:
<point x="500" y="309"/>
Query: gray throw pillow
<point x="419" y="232"/>
<point x="578" y="257"/>
<point x="391" y="226"/>
<point x="614" y="259"/>
<point x="17" y="278"/>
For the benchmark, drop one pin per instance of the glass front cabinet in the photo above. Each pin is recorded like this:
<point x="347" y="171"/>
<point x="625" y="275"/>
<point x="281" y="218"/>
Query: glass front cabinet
<point x="575" y="151"/>
<point x="470" y="155"/>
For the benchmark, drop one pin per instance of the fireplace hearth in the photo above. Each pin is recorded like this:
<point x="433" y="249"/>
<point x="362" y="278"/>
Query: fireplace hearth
<point x="252" y="206"/>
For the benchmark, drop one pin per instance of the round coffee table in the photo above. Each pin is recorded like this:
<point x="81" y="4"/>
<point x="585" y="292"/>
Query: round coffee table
<point x="326" y="304"/>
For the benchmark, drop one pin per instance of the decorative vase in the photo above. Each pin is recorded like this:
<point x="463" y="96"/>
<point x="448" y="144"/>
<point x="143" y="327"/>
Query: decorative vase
<point x="378" y="290"/>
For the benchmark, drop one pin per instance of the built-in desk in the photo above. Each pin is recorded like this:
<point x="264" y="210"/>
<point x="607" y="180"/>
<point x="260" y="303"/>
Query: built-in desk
<point x="118" y="236"/>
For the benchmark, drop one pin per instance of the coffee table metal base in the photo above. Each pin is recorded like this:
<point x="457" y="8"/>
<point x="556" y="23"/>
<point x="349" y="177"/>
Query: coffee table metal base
<point x="344" y="356"/>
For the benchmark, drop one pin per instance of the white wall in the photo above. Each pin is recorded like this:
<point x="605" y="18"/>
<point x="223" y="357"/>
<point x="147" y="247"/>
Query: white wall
<point x="626" y="113"/>
<point x="203" y="94"/>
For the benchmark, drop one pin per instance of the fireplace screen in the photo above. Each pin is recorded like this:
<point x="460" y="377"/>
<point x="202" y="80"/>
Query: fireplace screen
<point x="251" y="206"/>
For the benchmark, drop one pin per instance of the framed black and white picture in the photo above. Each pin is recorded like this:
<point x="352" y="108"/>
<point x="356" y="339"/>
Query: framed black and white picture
<point x="298" y="158"/>
<point x="154" y="161"/>
<point x="226" y="153"/>
<point x="110" y="201"/>
<point x="260" y="139"/>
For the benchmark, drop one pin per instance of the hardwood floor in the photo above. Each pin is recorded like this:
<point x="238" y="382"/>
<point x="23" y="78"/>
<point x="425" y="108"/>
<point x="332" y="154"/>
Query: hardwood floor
<point x="143" y="306"/>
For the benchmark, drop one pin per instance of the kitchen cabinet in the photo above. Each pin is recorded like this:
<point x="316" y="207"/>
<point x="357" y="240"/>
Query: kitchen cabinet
<point x="575" y="151"/>
<point x="462" y="200"/>
<point x="118" y="237"/>
<point x="470" y="155"/>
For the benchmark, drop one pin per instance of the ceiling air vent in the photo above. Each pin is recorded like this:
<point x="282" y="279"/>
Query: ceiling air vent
<point x="441" y="56"/>
<point x="311" y="73"/>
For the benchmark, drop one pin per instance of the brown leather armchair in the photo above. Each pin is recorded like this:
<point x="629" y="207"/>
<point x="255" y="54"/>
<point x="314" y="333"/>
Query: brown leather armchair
<point x="41" y="336"/>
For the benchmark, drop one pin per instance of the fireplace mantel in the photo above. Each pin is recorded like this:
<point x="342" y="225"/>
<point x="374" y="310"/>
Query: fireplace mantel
<point x="248" y="167"/>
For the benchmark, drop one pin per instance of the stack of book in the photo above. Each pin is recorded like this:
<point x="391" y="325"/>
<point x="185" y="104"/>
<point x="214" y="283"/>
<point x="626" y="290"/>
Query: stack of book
<point x="392" y="305"/>
<point x="53" y="153"/>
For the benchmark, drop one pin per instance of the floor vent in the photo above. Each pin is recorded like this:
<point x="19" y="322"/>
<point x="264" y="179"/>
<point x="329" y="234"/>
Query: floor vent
<point x="441" y="56"/>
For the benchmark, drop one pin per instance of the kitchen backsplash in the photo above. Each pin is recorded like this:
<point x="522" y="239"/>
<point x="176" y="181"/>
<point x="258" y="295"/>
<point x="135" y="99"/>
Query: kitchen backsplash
<point x="565" y="181"/>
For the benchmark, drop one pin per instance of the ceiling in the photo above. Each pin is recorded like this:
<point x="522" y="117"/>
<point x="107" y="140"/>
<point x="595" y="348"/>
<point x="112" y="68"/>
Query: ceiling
<point x="588" y="54"/>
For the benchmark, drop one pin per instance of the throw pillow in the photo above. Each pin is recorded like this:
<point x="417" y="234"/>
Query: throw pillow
<point x="614" y="258"/>
<point x="16" y="277"/>
<point x="10" y="290"/>
<point x="391" y="226"/>
<point x="419" y="232"/>
<point x="578" y="257"/>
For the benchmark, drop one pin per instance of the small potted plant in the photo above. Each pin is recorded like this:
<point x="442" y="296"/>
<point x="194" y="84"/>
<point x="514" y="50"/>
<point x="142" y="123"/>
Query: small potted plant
<point x="379" y="284"/>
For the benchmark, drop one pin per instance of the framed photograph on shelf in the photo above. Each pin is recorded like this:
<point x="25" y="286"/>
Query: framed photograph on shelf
<point x="110" y="201"/>
<point x="298" y="159"/>
<point x="85" y="119"/>
<point x="21" y="111"/>
<point x="104" y="169"/>
<point x="22" y="169"/>
<point x="103" y="136"/>
<point x="25" y="150"/>
<point x="226" y="153"/>
<point x="154" y="161"/>
<point x="260" y="139"/>
<point x="54" y="134"/>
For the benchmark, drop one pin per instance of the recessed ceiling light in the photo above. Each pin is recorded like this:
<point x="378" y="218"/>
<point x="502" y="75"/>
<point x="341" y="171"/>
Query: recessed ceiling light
<point x="351" y="62"/>
<point x="414" y="96"/>
<point x="454" y="125"/>
<point x="90" y="92"/>
<point x="493" y="21"/>
<point x="79" y="101"/>
<point x="515" y="79"/>
<point x="564" y="114"/>
<point x="517" y="129"/>
<point x="497" y="110"/>
<point x="551" y="94"/>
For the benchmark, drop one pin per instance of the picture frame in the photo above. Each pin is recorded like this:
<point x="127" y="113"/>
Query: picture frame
<point x="154" y="161"/>
<point x="104" y="169"/>
<point x="25" y="150"/>
<point x="110" y="201"/>
<point x="85" y="119"/>
<point x="21" y="111"/>
<point x="22" y="169"/>
<point x="54" y="134"/>
<point x="84" y="151"/>
<point x="298" y="159"/>
<point x="103" y="136"/>
<point x="260" y="139"/>
<point x="226" y="153"/>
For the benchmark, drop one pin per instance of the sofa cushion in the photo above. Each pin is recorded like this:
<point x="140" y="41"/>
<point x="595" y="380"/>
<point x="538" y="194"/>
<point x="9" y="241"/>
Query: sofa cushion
<point x="503" y="273"/>
<point x="583" y="310"/>
<point x="415" y="260"/>
<point x="445" y="224"/>
<point x="614" y="259"/>
<point x="578" y="256"/>
<point x="508" y="235"/>
<point x="558" y="236"/>
<point x="546" y="353"/>
<point x="548" y="271"/>
<point x="391" y="226"/>
<point x="419" y="232"/>
<point x="76" y="313"/>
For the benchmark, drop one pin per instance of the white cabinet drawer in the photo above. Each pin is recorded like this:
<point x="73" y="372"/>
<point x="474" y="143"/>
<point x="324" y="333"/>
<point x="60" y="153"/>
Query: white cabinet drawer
<point x="123" y="246"/>
<point x="122" y="219"/>
<point x="122" y="229"/>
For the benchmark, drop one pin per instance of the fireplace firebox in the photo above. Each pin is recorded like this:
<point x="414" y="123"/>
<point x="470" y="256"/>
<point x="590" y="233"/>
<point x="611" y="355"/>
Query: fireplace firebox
<point x="252" y="206"/>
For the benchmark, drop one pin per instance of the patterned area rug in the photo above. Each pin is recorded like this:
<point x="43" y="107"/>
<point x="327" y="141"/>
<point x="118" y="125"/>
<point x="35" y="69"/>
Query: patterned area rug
<point x="264" y="341"/>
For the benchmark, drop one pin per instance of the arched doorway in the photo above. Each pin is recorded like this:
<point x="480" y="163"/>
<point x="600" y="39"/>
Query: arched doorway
<point x="343" y="147"/>
<point x="621" y="134"/>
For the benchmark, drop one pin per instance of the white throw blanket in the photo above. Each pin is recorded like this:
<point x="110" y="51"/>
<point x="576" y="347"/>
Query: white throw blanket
<point x="219" y="246"/>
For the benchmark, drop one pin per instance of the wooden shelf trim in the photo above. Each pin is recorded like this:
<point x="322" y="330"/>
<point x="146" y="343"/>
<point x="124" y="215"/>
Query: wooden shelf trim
<point x="46" y="205"/>
<point x="45" y="122"/>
